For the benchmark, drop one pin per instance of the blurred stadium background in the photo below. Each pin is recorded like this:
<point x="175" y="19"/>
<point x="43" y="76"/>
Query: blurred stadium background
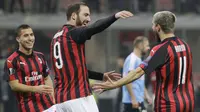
<point x="106" y="50"/>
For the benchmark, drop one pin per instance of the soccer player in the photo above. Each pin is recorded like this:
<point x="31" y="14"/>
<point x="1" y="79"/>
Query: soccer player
<point x="72" y="90"/>
<point x="172" y="62"/>
<point x="135" y="92"/>
<point x="27" y="73"/>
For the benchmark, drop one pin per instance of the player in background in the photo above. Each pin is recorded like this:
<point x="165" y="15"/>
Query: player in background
<point x="72" y="90"/>
<point x="27" y="73"/>
<point x="172" y="62"/>
<point x="134" y="93"/>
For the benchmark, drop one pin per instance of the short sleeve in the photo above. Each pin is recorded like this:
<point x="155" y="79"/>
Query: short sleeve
<point x="10" y="70"/>
<point x="155" y="60"/>
<point x="130" y="64"/>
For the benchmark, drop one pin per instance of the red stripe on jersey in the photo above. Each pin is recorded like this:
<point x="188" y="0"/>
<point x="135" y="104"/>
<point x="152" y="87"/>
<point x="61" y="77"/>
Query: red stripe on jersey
<point x="158" y="89"/>
<point x="170" y="85"/>
<point x="184" y="85"/>
<point x="85" y="69"/>
<point x="46" y="100"/>
<point x="72" y="91"/>
<point x="58" y="75"/>
<point x="69" y="63"/>
<point x="19" y="98"/>
<point x="27" y="73"/>
<point x="40" y="106"/>
<point x="39" y="65"/>
<point x="73" y="86"/>
<point x="189" y="83"/>
<point x="33" y="70"/>
<point x="178" y="89"/>
<point x="163" y="101"/>
<point x="78" y="64"/>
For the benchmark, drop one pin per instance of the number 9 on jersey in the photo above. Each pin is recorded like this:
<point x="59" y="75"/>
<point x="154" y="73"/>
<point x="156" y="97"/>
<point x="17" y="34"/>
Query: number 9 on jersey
<point x="57" y="55"/>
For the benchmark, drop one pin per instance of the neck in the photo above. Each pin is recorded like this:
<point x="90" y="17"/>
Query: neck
<point x="137" y="52"/>
<point x="71" y="23"/>
<point x="26" y="51"/>
<point x="164" y="36"/>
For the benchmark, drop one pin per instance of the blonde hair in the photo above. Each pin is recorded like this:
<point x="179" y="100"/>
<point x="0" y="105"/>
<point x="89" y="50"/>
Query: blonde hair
<point x="166" y="20"/>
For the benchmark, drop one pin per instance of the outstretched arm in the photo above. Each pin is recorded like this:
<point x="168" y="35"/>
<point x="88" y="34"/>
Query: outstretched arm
<point x="81" y="34"/>
<point x="132" y="75"/>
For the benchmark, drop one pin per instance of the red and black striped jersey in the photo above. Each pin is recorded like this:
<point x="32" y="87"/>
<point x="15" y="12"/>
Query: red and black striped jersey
<point x="29" y="70"/>
<point x="68" y="59"/>
<point x="172" y="62"/>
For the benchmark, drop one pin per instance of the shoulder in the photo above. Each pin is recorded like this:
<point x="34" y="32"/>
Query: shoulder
<point x="39" y="54"/>
<point x="158" y="47"/>
<point x="12" y="56"/>
<point x="11" y="60"/>
<point x="128" y="58"/>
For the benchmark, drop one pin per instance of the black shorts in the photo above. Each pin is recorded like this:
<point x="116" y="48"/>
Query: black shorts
<point x="128" y="107"/>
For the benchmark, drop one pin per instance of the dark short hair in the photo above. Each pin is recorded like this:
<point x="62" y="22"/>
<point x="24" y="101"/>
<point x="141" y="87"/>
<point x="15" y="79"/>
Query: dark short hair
<point x="166" y="20"/>
<point x="21" y="27"/>
<point x="139" y="40"/>
<point x="74" y="8"/>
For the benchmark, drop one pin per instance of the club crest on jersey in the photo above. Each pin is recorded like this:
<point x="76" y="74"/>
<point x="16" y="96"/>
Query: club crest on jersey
<point x="34" y="77"/>
<point x="40" y="60"/>
<point x="11" y="71"/>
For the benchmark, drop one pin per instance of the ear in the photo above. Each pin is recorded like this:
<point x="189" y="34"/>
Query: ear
<point x="73" y="16"/>
<point x="140" y="45"/>
<point x="17" y="38"/>
<point x="158" y="28"/>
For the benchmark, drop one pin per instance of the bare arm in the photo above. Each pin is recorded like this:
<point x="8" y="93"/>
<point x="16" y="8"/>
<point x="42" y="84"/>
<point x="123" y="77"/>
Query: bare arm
<point x="132" y="75"/>
<point x="146" y="96"/>
<point x="18" y="87"/>
<point x="133" y="98"/>
<point x="49" y="82"/>
<point x="130" y="91"/>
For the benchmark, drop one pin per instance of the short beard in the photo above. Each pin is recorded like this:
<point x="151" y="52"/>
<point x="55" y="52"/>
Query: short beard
<point x="78" y="21"/>
<point x="157" y="37"/>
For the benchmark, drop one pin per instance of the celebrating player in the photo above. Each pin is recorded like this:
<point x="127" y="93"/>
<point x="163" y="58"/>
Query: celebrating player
<point x="172" y="61"/>
<point x="27" y="73"/>
<point x="72" y="90"/>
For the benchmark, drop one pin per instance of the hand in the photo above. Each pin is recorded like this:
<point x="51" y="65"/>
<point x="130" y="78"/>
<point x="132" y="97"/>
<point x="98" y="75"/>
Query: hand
<point x="101" y="87"/>
<point x="43" y="89"/>
<point x="123" y="14"/>
<point x="149" y="100"/>
<point x="135" y="104"/>
<point x="112" y="75"/>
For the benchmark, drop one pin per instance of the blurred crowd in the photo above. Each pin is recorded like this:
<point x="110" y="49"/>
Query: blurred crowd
<point x="99" y="6"/>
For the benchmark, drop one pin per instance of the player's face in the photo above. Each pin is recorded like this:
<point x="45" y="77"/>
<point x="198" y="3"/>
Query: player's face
<point x="26" y="39"/>
<point x="83" y="18"/>
<point x="146" y="47"/>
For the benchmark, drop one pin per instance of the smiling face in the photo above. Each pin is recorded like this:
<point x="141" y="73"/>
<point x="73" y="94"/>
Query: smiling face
<point x="83" y="17"/>
<point x="26" y="39"/>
